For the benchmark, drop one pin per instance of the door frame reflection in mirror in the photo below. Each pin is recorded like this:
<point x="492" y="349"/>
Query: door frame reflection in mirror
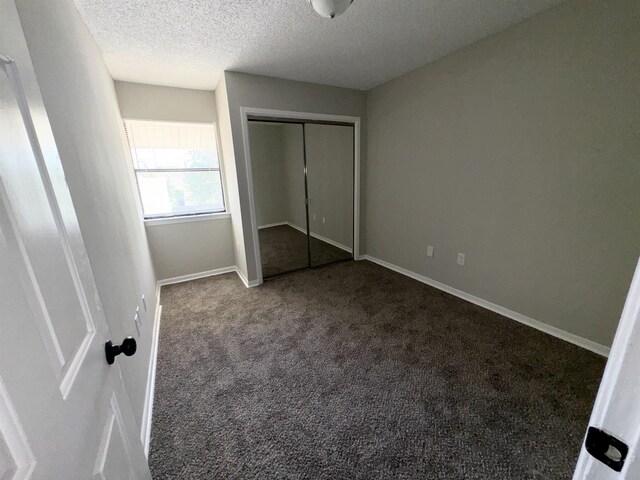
<point x="284" y="116"/>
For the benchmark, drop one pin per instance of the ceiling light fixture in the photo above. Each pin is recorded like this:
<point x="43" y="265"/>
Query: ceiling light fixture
<point x="330" y="8"/>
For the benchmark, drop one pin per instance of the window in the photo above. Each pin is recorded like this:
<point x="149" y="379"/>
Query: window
<point x="177" y="167"/>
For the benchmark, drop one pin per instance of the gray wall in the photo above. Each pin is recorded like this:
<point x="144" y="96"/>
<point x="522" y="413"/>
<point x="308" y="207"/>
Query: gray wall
<point x="187" y="247"/>
<point x="268" y="166"/>
<point x="231" y="175"/>
<point x="522" y="152"/>
<point x="81" y="103"/>
<point x="293" y="147"/>
<point x="244" y="90"/>
<point x="154" y="102"/>
<point x="191" y="247"/>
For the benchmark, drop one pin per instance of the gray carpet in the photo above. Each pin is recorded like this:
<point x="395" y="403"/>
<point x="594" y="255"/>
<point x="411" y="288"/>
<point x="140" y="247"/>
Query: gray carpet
<point x="355" y="372"/>
<point x="284" y="249"/>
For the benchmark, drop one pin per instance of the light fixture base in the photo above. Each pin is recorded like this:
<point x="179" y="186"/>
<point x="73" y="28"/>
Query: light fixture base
<point x="330" y="8"/>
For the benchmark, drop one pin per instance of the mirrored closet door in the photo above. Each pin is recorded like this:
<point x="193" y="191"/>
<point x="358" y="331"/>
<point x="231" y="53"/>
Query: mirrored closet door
<point x="303" y="192"/>
<point x="330" y="192"/>
<point x="277" y="164"/>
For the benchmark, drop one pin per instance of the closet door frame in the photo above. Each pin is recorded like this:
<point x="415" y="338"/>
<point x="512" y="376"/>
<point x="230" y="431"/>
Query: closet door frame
<point x="250" y="113"/>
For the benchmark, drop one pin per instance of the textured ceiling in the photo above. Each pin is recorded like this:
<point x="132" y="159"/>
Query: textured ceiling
<point x="188" y="43"/>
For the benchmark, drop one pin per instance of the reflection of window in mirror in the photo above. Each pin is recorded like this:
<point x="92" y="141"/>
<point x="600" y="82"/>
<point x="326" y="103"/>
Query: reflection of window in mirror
<point x="177" y="167"/>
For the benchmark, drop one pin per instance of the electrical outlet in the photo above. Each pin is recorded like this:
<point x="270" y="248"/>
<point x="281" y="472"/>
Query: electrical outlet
<point x="324" y="220"/>
<point x="429" y="250"/>
<point x="461" y="258"/>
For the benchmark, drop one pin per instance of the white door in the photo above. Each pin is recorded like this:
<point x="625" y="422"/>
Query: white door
<point x="64" y="413"/>
<point x="611" y="448"/>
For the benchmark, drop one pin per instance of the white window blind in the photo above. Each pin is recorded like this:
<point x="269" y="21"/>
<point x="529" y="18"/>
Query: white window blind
<point x="177" y="167"/>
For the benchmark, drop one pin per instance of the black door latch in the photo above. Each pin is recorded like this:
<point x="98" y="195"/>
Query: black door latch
<point x="606" y="448"/>
<point x="128" y="347"/>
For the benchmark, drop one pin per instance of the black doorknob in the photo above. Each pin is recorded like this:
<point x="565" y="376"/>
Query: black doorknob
<point x="128" y="347"/>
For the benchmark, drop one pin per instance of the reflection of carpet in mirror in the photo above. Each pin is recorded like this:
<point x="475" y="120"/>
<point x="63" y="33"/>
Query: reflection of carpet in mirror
<point x="283" y="249"/>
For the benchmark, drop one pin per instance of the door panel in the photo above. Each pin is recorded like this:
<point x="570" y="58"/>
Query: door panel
<point x="76" y="333"/>
<point x="58" y="396"/>
<point x="329" y="156"/>
<point x="29" y="283"/>
<point x="57" y="428"/>
<point x="16" y="458"/>
<point x="616" y="410"/>
<point x="41" y="233"/>
<point x="277" y="163"/>
<point x="114" y="447"/>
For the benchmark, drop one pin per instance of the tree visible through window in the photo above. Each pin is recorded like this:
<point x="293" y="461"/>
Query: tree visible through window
<point x="177" y="167"/>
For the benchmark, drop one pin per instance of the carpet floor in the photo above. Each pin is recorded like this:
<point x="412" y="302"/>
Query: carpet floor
<point x="353" y="371"/>
<point x="284" y="249"/>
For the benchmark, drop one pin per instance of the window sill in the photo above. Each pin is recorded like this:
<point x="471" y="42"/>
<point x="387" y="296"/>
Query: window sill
<point x="151" y="222"/>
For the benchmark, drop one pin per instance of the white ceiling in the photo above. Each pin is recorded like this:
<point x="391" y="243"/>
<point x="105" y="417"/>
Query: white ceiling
<point x="188" y="43"/>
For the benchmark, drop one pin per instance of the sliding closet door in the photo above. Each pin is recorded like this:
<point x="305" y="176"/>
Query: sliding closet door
<point x="277" y="164"/>
<point x="329" y="157"/>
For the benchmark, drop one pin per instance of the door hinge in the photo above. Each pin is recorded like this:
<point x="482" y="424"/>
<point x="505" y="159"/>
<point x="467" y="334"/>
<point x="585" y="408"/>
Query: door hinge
<point x="606" y="448"/>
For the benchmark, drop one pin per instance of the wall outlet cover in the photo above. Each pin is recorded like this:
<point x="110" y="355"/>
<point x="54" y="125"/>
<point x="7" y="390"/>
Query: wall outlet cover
<point x="429" y="251"/>
<point x="461" y="258"/>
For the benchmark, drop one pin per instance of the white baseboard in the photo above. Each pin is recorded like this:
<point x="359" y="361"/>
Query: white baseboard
<point x="518" y="317"/>
<point x="209" y="273"/>
<point x="195" y="276"/>
<point x="147" y="414"/>
<point x="314" y="235"/>
<point x="321" y="238"/>
<point x="269" y="225"/>
<point x="247" y="283"/>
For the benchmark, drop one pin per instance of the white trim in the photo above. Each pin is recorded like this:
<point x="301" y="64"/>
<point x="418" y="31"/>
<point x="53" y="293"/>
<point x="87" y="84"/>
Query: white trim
<point x="332" y="242"/>
<point x="195" y="276"/>
<point x="269" y="225"/>
<point x="356" y="190"/>
<point x="304" y="230"/>
<point x="320" y="237"/>
<point x="152" y="222"/>
<point x="147" y="414"/>
<point x="247" y="283"/>
<point x="518" y="317"/>
<point x="302" y="116"/>
<point x="356" y="121"/>
<point x="212" y="121"/>
<point x="208" y="273"/>
<point x="252" y="203"/>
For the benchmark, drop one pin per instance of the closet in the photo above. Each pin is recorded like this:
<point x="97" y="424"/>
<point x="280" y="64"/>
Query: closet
<point x="303" y="185"/>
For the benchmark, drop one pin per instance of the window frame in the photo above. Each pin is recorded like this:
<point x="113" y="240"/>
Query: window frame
<point x="220" y="169"/>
